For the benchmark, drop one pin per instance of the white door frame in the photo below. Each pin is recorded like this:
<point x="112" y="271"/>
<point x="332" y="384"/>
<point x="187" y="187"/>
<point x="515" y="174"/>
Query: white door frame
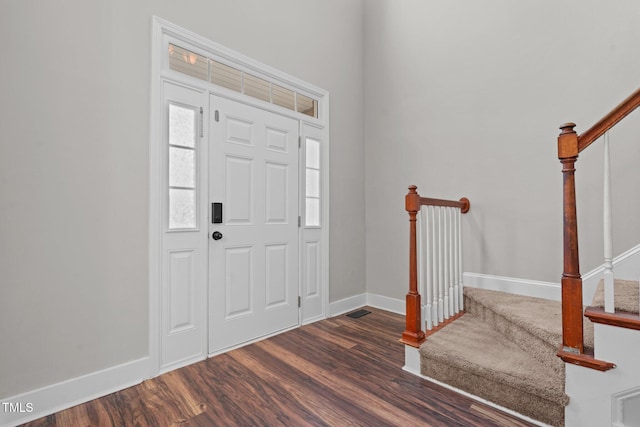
<point x="163" y="33"/>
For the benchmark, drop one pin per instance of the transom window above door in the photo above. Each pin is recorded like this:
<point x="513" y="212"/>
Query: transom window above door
<point x="227" y="76"/>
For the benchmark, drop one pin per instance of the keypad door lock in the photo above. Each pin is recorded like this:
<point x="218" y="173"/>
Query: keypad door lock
<point x="216" y="213"/>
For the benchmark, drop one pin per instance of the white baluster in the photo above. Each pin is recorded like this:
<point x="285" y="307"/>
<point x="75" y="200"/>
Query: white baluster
<point x="450" y="260"/>
<point x="456" y="292"/>
<point x="608" y="232"/>
<point x="440" y="266"/>
<point x="447" y="244"/>
<point x="434" y="265"/>
<point x="420" y="259"/>
<point x="460" y="284"/>
<point x="426" y="275"/>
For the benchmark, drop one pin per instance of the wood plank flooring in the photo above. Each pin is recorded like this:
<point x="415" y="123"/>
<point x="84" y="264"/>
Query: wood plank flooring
<point x="336" y="372"/>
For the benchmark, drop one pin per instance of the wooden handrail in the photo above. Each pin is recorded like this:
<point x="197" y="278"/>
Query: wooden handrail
<point x="570" y="144"/>
<point x="413" y="334"/>
<point x="610" y="120"/>
<point x="463" y="203"/>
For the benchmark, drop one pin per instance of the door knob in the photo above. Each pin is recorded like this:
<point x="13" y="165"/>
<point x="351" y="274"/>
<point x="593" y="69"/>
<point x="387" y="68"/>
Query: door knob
<point x="216" y="235"/>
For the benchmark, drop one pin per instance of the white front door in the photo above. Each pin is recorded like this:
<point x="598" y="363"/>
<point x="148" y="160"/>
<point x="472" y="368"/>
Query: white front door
<point x="253" y="259"/>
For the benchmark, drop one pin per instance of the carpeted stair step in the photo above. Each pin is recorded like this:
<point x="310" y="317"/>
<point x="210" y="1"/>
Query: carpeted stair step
<point x="534" y="324"/>
<point x="473" y="356"/>
<point x="626" y="296"/>
<point x="503" y="349"/>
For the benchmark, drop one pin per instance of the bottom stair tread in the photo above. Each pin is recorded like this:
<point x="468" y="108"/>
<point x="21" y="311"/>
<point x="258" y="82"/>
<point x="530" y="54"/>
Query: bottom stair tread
<point x="470" y="355"/>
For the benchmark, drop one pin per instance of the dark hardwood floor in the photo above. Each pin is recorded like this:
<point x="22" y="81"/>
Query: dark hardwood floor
<point x="336" y="372"/>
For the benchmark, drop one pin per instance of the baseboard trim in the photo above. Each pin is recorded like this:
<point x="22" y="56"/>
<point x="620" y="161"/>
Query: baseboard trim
<point x="625" y="266"/>
<point x="372" y="300"/>
<point x="388" y="304"/>
<point x="347" y="304"/>
<point x="532" y="288"/>
<point x="412" y="360"/>
<point x="481" y="400"/>
<point x="526" y="287"/>
<point x="56" y="397"/>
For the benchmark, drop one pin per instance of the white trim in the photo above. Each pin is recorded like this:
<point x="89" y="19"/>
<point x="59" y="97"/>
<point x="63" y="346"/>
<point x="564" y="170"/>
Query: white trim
<point x="162" y="32"/>
<point x="155" y="200"/>
<point x="534" y="288"/>
<point x="313" y="319"/>
<point x="481" y="400"/>
<point x="411" y="360"/>
<point x="526" y="287"/>
<point x="56" y="397"/>
<point x="183" y="362"/>
<point x="393" y="305"/>
<point x="346" y="305"/>
<point x="309" y="129"/>
<point x="204" y="46"/>
<point x="625" y="266"/>
<point x="618" y="402"/>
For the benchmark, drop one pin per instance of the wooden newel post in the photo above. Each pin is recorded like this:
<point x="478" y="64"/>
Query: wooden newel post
<point x="572" y="315"/>
<point x="413" y="335"/>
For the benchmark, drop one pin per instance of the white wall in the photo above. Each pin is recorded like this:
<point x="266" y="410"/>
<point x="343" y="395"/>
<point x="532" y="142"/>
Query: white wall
<point x="74" y="115"/>
<point x="597" y="397"/>
<point x="465" y="99"/>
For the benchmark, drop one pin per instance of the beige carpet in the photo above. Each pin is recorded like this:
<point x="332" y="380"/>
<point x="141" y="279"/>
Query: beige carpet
<point x="626" y="296"/>
<point x="503" y="350"/>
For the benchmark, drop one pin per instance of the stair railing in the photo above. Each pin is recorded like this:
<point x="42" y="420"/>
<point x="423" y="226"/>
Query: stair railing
<point x="439" y="249"/>
<point x="570" y="144"/>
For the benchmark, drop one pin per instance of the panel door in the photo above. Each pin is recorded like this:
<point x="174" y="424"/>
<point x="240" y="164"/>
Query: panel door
<point x="254" y="258"/>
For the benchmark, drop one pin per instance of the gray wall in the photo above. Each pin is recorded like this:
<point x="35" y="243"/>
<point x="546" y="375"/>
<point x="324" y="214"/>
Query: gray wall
<point x="465" y="98"/>
<point x="459" y="98"/>
<point x="74" y="163"/>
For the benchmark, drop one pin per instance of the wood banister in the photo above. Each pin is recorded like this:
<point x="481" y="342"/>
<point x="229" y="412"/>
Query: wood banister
<point x="572" y="325"/>
<point x="463" y="203"/>
<point x="610" y="120"/>
<point x="413" y="334"/>
<point x="570" y="144"/>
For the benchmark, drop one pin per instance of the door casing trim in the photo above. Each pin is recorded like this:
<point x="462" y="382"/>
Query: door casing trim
<point x="163" y="32"/>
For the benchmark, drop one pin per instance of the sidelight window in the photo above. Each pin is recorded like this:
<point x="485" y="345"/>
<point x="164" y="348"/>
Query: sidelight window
<point x="312" y="182"/>
<point x="182" y="167"/>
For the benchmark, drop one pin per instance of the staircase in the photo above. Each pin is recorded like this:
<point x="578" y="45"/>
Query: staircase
<point x="538" y="358"/>
<point x="504" y="350"/>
